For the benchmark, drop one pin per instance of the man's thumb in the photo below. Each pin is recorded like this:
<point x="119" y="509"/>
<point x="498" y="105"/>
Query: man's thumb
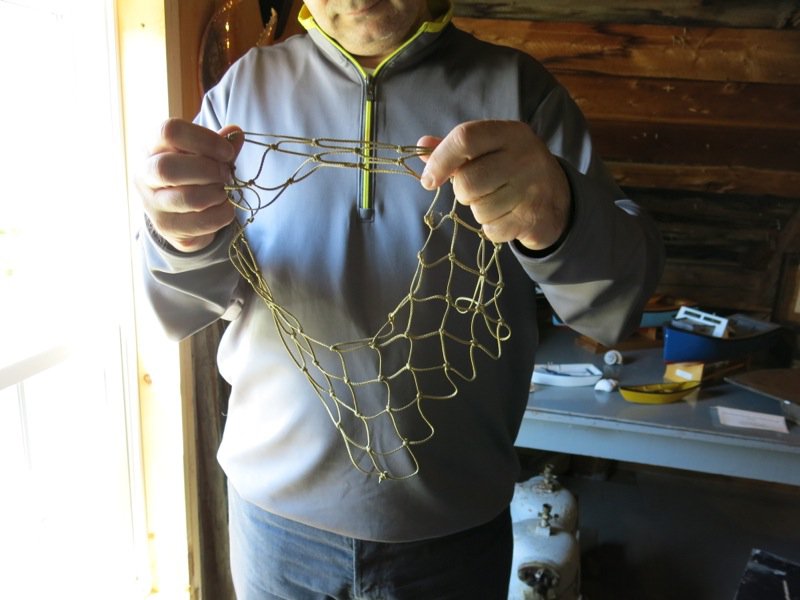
<point x="234" y="135"/>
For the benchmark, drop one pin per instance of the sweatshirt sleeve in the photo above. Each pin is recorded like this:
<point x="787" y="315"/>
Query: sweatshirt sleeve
<point x="608" y="265"/>
<point x="189" y="291"/>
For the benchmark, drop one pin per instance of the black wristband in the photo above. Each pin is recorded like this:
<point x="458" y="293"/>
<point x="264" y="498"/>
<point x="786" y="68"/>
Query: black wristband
<point x="555" y="245"/>
<point x="156" y="237"/>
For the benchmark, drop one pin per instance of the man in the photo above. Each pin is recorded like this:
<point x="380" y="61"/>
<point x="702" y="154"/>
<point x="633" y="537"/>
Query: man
<point x="338" y="249"/>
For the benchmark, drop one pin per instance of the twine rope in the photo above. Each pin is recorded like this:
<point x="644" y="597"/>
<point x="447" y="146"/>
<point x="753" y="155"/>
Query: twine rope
<point x="375" y="438"/>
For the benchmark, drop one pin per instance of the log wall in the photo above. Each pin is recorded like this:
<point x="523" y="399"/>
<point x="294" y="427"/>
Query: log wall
<point x="696" y="109"/>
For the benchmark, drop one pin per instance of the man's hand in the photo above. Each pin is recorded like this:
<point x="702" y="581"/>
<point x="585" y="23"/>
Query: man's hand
<point x="507" y="176"/>
<point x="182" y="183"/>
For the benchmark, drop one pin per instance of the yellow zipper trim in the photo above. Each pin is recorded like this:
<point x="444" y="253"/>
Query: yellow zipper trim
<point x="308" y="22"/>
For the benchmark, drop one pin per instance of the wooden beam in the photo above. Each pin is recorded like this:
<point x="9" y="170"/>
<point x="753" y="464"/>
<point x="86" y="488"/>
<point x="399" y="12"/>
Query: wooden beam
<point x="769" y="14"/>
<point x="719" y="179"/>
<point x="693" y="53"/>
<point x="205" y="401"/>
<point x="726" y="104"/>
<point x="666" y="143"/>
<point x="715" y="286"/>
<point x="185" y="22"/>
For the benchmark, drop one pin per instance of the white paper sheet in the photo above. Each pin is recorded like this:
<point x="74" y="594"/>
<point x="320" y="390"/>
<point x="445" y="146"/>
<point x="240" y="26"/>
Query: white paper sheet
<point x="734" y="417"/>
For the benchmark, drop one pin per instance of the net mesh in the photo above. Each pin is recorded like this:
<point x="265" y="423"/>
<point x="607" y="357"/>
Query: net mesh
<point x="379" y="410"/>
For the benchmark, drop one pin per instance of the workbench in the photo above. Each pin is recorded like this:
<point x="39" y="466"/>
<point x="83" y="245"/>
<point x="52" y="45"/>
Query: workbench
<point x="685" y="434"/>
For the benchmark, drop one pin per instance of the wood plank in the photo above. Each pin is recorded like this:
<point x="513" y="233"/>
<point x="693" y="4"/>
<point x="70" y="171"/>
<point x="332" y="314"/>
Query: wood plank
<point x="774" y="14"/>
<point x="721" y="248"/>
<point x="728" y="104"/>
<point x="720" y="179"/>
<point x="715" y="287"/>
<point x="205" y="400"/>
<point x="667" y="143"/>
<point x="750" y="215"/>
<point x="693" y="53"/>
<point x="185" y="22"/>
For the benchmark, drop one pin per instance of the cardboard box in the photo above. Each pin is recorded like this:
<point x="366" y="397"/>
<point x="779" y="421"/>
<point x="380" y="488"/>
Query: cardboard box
<point x="702" y="372"/>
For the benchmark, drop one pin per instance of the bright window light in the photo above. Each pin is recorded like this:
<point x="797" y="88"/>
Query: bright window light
<point x="62" y="219"/>
<point x="71" y="511"/>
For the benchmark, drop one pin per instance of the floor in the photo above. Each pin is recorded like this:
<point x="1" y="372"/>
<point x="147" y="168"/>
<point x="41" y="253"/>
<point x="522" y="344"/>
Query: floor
<point x="660" y="534"/>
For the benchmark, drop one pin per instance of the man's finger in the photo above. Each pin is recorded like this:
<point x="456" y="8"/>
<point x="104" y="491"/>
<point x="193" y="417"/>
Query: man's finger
<point x="189" y="198"/>
<point x="428" y="141"/>
<point x="463" y="144"/>
<point x="177" y="135"/>
<point x="172" y="169"/>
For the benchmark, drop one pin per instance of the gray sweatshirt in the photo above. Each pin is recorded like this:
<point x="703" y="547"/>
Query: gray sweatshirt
<point x="339" y="251"/>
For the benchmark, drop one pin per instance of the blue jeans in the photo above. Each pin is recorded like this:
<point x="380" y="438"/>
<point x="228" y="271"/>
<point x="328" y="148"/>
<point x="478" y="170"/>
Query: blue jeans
<point x="272" y="557"/>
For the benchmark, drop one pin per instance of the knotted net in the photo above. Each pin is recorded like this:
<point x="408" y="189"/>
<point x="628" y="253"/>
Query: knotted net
<point x="398" y="355"/>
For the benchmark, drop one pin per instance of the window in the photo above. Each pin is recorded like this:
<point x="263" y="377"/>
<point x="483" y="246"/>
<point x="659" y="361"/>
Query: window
<point x="73" y="512"/>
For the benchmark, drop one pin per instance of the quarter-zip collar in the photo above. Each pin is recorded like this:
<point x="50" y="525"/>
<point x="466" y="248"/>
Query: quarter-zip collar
<point x="411" y="50"/>
<point x="427" y="32"/>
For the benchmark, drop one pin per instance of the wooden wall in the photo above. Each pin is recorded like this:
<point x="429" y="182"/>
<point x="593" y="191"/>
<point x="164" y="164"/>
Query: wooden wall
<point x="695" y="105"/>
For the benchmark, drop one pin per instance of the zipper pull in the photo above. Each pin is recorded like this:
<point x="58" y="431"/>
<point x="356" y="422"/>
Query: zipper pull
<point x="370" y="81"/>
